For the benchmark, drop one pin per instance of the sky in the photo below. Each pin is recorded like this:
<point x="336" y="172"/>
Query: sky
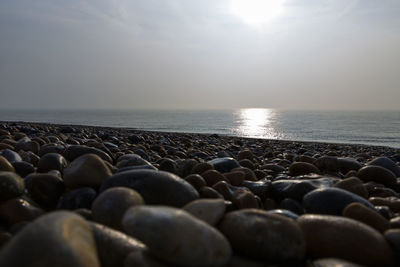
<point x="190" y="54"/>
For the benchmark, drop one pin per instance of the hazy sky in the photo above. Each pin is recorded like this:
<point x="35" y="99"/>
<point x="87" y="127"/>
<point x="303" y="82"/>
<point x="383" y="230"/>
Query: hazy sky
<point x="102" y="54"/>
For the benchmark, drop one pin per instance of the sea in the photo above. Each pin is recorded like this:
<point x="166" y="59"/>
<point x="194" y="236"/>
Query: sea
<point x="380" y="128"/>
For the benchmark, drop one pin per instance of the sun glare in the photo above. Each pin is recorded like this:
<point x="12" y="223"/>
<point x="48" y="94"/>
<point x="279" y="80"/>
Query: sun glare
<point x="257" y="122"/>
<point x="256" y="12"/>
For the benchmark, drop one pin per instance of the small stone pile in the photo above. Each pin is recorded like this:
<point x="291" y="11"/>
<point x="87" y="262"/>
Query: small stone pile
<point x="96" y="196"/>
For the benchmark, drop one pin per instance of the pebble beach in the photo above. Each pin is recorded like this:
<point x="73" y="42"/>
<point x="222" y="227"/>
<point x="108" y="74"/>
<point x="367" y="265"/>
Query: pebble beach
<point x="82" y="196"/>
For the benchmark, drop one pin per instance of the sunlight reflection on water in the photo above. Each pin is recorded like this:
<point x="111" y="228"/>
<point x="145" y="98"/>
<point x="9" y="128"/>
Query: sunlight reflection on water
<point x="257" y="122"/>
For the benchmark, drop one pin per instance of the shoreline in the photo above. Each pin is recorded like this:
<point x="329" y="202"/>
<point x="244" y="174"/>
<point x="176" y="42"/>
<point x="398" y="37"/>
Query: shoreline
<point x="137" y="131"/>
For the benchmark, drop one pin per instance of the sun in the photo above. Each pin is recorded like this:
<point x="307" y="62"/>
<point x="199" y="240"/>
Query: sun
<point x="256" y="12"/>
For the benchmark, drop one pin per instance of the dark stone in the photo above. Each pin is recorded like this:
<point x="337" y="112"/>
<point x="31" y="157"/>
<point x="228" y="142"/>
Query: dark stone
<point x="45" y="189"/>
<point x="224" y="164"/>
<point x="75" y="151"/>
<point x="113" y="246"/>
<point x="52" y="161"/>
<point x="261" y="235"/>
<point x="11" y="185"/>
<point x="10" y="155"/>
<point x="296" y="189"/>
<point x="23" y="168"/>
<point x="331" y="201"/>
<point x="156" y="187"/>
<point x="81" y="198"/>
<point x="386" y="163"/>
<point x="377" y="174"/>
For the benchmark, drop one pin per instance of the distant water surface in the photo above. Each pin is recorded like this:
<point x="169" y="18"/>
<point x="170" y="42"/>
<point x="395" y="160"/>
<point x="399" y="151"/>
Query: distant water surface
<point x="364" y="127"/>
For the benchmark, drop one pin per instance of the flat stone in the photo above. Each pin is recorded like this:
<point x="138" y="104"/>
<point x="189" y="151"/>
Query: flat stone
<point x="11" y="185"/>
<point x="87" y="170"/>
<point x="348" y="239"/>
<point x="177" y="237"/>
<point x="110" y="206"/>
<point x="113" y="246"/>
<point x="261" y="235"/>
<point x="207" y="210"/>
<point x="156" y="187"/>
<point x="65" y="238"/>
<point x="331" y="201"/>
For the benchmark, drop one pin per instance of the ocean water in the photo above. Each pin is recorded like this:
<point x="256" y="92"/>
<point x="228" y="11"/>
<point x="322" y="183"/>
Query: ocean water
<point x="361" y="127"/>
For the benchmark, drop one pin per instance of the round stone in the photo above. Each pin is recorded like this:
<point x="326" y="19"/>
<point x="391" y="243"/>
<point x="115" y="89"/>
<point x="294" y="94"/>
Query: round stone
<point x="353" y="185"/>
<point x="113" y="246"/>
<point x="224" y="164"/>
<point x="302" y="168"/>
<point x="10" y="155"/>
<point x="23" y="168"/>
<point x="110" y="206"/>
<point x="45" y="189"/>
<point x="75" y="151"/>
<point x="52" y="161"/>
<point x="377" y="174"/>
<point x="332" y="262"/>
<point x="65" y="238"/>
<point x="5" y="165"/>
<point x="366" y="215"/>
<point x="386" y="163"/>
<point x="177" y="237"/>
<point x="196" y="181"/>
<point x="11" y="185"/>
<point x="81" y="198"/>
<point x="87" y="170"/>
<point x="340" y="237"/>
<point x="331" y="201"/>
<point x="17" y="210"/>
<point x="207" y="210"/>
<point x="348" y="164"/>
<point x="156" y="187"/>
<point x="261" y="235"/>
<point x="212" y="177"/>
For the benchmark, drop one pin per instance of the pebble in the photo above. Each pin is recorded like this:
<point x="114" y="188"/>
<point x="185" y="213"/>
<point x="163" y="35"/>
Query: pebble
<point x="45" y="189"/>
<point x="113" y="246"/>
<point x="177" y="237"/>
<point x="224" y="165"/>
<point x="207" y="210"/>
<point x="339" y="237"/>
<point x="332" y="262"/>
<point x="353" y="185"/>
<point x="18" y="210"/>
<point x="331" y="201"/>
<point x="23" y="168"/>
<point x="87" y="170"/>
<point x="5" y="165"/>
<point x="75" y="151"/>
<point x="302" y="168"/>
<point x="252" y="233"/>
<point x="110" y="206"/>
<point x="52" y="161"/>
<point x="80" y="198"/>
<point x="11" y="185"/>
<point x="156" y="187"/>
<point x="65" y="238"/>
<point x="377" y="174"/>
<point x="366" y="215"/>
<point x="387" y="164"/>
